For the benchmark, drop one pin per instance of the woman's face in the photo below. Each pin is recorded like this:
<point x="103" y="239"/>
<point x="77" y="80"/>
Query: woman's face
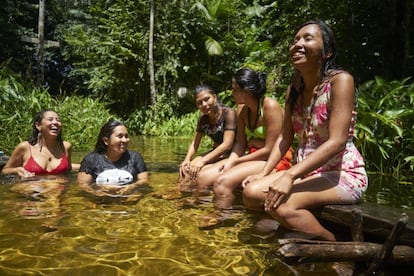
<point x="118" y="141"/>
<point x="206" y="102"/>
<point x="50" y="124"/>
<point x="238" y="93"/>
<point x="307" y="47"/>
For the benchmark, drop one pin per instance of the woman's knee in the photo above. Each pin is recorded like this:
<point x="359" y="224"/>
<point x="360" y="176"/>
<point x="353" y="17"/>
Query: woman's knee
<point x="284" y="212"/>
<point x="204" y="178"/>
<point x="252" y="198"/>
<point x="223" y="184"/>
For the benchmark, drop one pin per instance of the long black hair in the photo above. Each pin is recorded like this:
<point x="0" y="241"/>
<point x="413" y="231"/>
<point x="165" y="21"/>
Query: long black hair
<point x="106" y="131"/>
<point x="252" y="81"/>
<point x="34" y="137"/>
<point x="329" y="51"/>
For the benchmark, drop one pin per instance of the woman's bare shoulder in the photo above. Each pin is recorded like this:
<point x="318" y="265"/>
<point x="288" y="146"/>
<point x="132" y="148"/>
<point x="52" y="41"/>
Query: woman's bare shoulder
<point x="22" y="147"/>
<point x="271" y="104"/>
<point x="67" y="144"/>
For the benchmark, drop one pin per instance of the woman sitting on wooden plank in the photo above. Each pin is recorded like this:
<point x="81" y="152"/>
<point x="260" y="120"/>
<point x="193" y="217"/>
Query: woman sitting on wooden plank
<point x="320" y="109"/>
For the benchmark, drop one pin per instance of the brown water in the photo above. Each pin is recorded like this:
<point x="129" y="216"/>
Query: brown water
<point x="78" y="235"/>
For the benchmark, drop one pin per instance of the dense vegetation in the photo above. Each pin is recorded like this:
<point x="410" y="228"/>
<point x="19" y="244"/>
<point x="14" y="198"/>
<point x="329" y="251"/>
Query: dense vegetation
<point x="103" y="64"/>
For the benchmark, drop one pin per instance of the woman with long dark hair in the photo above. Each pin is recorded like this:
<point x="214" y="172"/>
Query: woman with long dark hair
<point x="216" y="121"/>
<point x="112" y="169"/>
<point x="44" y="152"/>
<point x="321" y="111"/>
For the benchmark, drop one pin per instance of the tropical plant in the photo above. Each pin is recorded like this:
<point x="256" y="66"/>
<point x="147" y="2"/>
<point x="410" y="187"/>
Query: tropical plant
<point x="19" y="101"/>
<point x="385" y="126"/>
<point x="159" y="119"/>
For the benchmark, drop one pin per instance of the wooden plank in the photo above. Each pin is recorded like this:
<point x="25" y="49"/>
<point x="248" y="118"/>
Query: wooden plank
<point x="35" y="40"/>
<point x="387" y="249"/>
<point x="301" y="250"/>
<point x="377" y="220"/>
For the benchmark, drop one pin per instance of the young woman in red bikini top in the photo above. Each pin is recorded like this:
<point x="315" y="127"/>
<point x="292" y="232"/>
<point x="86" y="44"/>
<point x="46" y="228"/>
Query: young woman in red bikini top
<point x="44" y="152"/>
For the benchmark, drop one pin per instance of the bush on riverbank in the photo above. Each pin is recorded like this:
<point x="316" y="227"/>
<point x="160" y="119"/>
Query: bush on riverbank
<point x="20" y="101"/>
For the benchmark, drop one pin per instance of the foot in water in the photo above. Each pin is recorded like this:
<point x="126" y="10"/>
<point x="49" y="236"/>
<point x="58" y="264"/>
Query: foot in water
<point x="217" y="219"/>
<point x="169" y="195"/>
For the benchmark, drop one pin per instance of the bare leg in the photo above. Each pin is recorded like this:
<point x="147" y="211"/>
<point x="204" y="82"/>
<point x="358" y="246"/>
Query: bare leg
<point x="228" y="181"/>
<point x="294" y="213"/>
<point x="254" y="194"/>
<point x="208" y="174"/>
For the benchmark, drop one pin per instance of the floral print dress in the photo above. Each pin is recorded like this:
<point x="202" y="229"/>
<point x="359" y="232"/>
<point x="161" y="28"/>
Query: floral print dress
<point x="311" y="125"/>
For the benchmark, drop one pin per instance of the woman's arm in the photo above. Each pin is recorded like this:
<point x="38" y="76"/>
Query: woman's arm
<point x="15" y="163"/>
<point x="282" y="144"/>
<point x="68" y="152"/>
<point x="192" y="149"/>
<point x="84" y="181"/>
<point x="239" y="146"/>
<point x="142" y="178"/>
<point x="273" y="120"/>
<point x="226" y="145"/>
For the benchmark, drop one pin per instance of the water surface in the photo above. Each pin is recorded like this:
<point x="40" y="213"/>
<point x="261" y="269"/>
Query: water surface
<point x="76" y="234"/>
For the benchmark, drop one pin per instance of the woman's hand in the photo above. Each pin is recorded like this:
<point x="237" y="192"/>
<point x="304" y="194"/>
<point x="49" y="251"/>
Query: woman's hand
<point x="184" y="168"/>
<point x="195" y="167"/>
<point x="127" y="189"/>
<point x="252" y="178"/>
<point x="226" y="166"/>
<point x="278" y="192"/>
<point x="22" y="172"/>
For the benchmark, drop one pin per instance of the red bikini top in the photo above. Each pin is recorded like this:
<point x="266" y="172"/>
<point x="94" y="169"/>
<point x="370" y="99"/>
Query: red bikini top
<point x="33" y="167"/>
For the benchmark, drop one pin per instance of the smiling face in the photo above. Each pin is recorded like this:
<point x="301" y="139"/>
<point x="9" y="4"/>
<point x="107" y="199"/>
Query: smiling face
<point x="307" y="48"/>
<point x="206" y="102"/>
<point x="117" y="143"/>
<point x="50" y="124"/>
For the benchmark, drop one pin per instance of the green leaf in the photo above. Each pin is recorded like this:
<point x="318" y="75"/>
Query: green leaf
<point x="213" y="47"/>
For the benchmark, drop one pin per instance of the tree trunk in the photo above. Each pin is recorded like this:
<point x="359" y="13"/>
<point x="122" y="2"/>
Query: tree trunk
<point x="41" y="45"/>
<point x="405" y="37"/>
<point x="150" y="54"/>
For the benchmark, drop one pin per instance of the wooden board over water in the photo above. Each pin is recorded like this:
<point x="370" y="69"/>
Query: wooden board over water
<point x="377" y="220"/>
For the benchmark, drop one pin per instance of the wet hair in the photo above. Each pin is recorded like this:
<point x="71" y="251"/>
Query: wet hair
<point x="33" y="139"/>
<point x="203" y="87"/>
<point x="329" y="47"/>
<point x="252" y="81"/>
<point x="106" y="131"/>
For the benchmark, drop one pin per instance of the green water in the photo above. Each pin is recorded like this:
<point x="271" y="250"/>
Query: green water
<point x="79" y="235"/>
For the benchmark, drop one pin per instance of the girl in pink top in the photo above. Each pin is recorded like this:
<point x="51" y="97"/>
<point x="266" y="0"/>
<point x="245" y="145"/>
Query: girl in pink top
<point x="321" y="111"/>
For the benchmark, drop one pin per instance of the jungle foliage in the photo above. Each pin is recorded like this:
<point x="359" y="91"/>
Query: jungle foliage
<point x="20" y="101"/>
<point x="385" y="127"/>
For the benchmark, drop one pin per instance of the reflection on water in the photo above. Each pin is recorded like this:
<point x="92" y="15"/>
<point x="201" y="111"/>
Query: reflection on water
<point x="387" y="191"/>
<point x="70" y="233"/>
